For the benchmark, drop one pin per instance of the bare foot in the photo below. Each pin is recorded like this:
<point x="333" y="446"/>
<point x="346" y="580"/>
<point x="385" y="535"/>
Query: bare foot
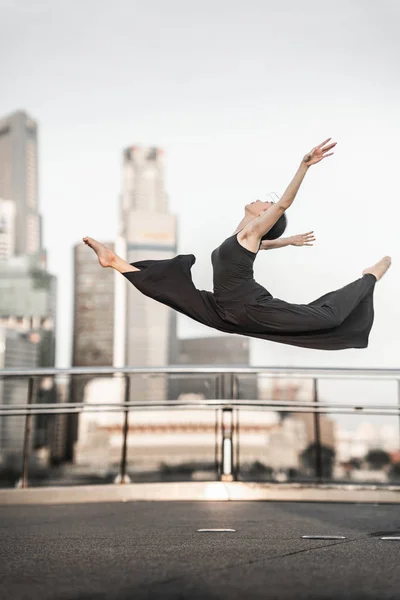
<point x="105" y="255"/>
<point x="380" y="268"/>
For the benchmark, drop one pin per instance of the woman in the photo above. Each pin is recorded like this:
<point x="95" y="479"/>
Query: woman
<point x="338" y="320"/>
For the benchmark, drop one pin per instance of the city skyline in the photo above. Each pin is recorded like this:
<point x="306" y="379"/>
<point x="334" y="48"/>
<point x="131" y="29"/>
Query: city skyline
<point x="234" y="116"/>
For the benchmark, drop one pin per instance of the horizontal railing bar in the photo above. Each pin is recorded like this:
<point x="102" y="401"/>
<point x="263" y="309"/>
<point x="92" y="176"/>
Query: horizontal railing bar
<point x="325" y="410"/>
<point x="297" y="372"/>
<point x="194" y="403"/>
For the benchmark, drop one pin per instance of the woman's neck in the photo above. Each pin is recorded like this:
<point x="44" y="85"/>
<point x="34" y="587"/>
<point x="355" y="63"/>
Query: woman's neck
<point x="245" y="221"/>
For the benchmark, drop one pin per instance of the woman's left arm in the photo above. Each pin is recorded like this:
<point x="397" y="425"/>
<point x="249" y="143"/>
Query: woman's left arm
<point x="302" y="239"/>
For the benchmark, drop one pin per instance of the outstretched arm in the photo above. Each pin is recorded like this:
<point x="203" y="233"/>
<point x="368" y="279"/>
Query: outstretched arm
<point x="303" y="239"/>
<point x="266" y="220"/>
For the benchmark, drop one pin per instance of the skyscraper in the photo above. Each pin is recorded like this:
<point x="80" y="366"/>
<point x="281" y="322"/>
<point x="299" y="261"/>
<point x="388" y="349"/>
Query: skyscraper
<point x="93" y="329"/>
<point x="27" y="290"/>
<point x="113" y="323"/>
<point x="93" y="333"/>
<point x="28" y="303"/>
<point x="144" y="329"/>
<point x="7" y="229"/>
<point x="19" y="179"/>
<point x="16" y="347"/>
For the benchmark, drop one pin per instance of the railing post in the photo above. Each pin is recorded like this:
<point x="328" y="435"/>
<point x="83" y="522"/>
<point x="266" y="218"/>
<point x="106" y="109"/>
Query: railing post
<point x="219" y="447"/>
<point x="218" y="394"/>
<point x="317" y="433"/>
<point x="398" y="402"/>
<point x="216" y="445"/>
<point x="27" y="435"/>
<point x="227" y="446"/>
<point x="235" y="396"/>
<point x="123" y="477"/>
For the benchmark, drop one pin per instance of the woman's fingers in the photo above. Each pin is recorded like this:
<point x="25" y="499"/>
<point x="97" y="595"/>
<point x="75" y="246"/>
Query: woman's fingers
<point x="329" y="147"/>
<point x="307" y="238"/>
<point x="323" y="143"/>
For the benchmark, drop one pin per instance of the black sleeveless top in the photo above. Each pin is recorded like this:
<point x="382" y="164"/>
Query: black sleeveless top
<point x="232" y="265"/>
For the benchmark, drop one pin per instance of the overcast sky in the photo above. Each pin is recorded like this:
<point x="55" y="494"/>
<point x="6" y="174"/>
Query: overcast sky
<point x="235" y="92"/>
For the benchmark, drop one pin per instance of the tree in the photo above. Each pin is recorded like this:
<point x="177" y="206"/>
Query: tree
<point x="377" y="458"/>
<point x="308" y="458"/>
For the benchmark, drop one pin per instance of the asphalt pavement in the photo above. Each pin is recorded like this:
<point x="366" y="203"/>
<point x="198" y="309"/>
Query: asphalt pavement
<point x="153" y="550"/>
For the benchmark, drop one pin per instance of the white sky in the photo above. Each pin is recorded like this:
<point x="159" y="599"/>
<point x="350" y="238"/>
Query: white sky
<point x="235" y="92"/>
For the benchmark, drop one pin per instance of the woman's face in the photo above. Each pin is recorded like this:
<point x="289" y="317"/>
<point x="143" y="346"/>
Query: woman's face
<point x="257" y="208"/>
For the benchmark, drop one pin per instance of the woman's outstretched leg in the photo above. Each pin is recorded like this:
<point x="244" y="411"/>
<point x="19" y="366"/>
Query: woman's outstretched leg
<point x="108" y="258"/>
<point x="341" y="303"/>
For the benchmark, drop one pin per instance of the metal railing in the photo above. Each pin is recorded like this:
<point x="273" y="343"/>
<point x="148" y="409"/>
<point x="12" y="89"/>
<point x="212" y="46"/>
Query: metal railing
<point x="227" y="405"/>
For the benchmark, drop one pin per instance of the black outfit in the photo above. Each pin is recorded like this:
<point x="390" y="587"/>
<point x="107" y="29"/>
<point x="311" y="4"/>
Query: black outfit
<point x="338" y="320"/>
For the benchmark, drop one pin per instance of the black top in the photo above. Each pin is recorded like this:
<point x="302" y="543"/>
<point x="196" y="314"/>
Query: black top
<point x="340" y="319"/>
<point x="232" y="265"/>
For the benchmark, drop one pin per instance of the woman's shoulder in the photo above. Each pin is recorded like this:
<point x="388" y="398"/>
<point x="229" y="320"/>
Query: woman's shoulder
<point x="247" y="239"/>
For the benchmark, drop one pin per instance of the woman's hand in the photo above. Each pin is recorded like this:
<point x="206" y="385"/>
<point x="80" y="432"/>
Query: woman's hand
<point x="319" y="152"/>
<point x="303" y="239"/>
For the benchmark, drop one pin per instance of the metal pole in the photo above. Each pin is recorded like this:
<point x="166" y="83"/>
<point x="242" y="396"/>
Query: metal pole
<point x="27" y="434"/>
<point x="216" y="457"/>
<point x="227" y="448"/>
<point x="398" y="401"/>
<point x="237" y="444"/>
<point x="317" y="433"/>
<point x="235" y="396"/>
<point x="216" y="432"/>
<point x="123" y="476"/>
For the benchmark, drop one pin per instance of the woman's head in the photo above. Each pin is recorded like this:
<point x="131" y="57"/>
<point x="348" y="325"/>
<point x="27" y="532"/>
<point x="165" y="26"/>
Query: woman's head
<point x="276" y="230"/>
<point x="255" y="209"/>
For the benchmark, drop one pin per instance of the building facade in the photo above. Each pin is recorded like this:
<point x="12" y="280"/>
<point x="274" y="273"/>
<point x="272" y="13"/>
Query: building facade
<point x="214" y="351"/>
<point x="28" y="303"/>
<point x="93" y="328"/>
<point x="145" y="329"/>
<point x="16" y="349"/>
<point x="7" y="229"/>
<point x="19" y="179"/>
<point x="27" y="290"/>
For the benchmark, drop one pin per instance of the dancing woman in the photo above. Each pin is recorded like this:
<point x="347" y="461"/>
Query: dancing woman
<point x="340" y="319"/>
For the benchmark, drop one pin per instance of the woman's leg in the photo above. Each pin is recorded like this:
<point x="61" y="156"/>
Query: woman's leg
<point x="108" y="258"/>
<point x="327" y="312"/>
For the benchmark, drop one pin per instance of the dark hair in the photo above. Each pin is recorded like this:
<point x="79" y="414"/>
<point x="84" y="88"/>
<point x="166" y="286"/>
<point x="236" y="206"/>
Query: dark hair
<point x="276" y="230"/>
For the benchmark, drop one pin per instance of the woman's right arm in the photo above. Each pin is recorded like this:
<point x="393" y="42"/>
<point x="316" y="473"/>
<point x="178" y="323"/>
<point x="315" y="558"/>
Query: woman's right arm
<point x="302" y="239"/>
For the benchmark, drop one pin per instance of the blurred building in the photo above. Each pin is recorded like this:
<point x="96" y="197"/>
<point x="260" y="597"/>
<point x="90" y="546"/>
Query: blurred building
<point x="114" y="324"/>
<point x="27" y="290"/>
<point x="19" y="179"/>
<point x="17" y="349"/>
<point x="291" y="390"/>
<point x="93" y="328"/>
<point x="7" y="229"/>
<point x="213" y="351"/>
<point x="145" y="330"/>
<point x="28" y="303"/>
<point x="61" y="423"/>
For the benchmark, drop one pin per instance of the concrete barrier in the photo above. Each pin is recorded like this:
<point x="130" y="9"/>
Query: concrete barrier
<point x="201" y="491"/>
